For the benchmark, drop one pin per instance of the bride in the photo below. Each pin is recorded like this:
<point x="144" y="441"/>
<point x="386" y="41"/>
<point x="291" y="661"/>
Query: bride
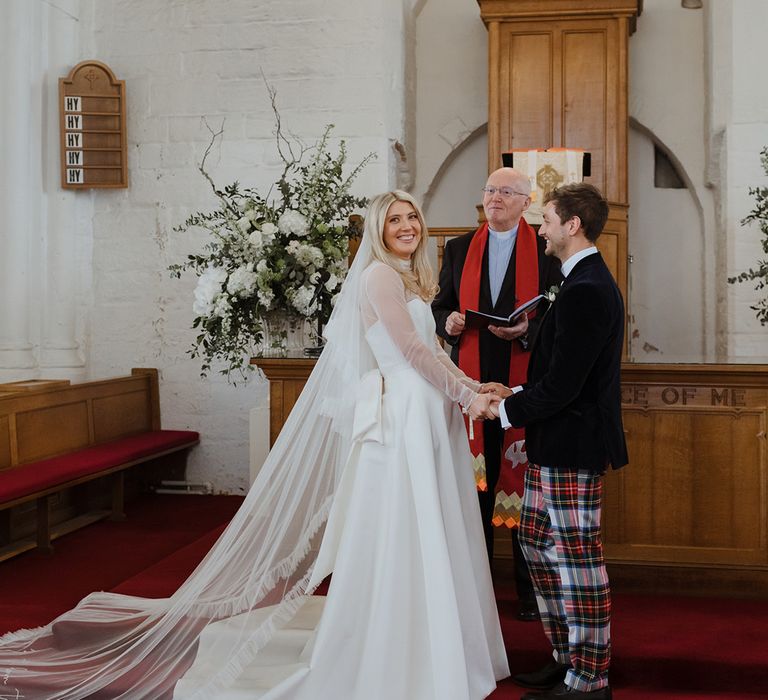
<point x="370" y="479"/>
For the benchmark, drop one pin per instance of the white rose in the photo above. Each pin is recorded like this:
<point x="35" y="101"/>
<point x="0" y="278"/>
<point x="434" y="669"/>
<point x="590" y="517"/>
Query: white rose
<point x="262" y="266"/>
<point x="269" y="229"/>
<point x="244" y="224"/>
<point x="256" y="239"/>
<point x="332" y="283"/>
<point x="307" y="255"/>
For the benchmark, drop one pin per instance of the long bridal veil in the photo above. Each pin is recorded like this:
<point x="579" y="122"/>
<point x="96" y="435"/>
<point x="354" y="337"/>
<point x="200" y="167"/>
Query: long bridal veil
<point x="116" y="646"/>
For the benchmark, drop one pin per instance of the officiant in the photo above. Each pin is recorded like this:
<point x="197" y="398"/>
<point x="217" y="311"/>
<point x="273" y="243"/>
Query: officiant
<point x="493" y="270"/>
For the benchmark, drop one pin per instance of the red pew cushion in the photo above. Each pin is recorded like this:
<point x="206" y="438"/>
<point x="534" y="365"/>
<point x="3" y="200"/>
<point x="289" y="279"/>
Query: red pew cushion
<point x="27" y="479"/>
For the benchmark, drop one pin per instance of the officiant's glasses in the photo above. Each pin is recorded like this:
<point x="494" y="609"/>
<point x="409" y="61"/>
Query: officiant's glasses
<point x="503" y="191"/>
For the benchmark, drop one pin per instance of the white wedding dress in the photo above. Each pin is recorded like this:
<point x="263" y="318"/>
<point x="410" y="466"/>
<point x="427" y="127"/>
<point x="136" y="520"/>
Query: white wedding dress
<point x="410" y="613"/>
<point x="370" y="479"/>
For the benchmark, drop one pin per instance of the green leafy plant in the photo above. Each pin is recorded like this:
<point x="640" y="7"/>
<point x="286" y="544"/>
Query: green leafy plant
<point x="758" y="275"/>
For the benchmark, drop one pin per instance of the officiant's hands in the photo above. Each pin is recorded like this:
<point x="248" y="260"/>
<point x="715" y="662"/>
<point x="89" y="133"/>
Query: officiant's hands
<point x="484" y="407"/>
<point x="518" y="330"/>
<point x="454" y="324"/>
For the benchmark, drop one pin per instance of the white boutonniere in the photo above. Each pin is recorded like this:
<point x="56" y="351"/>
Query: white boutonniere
<point x="552" y="292"/>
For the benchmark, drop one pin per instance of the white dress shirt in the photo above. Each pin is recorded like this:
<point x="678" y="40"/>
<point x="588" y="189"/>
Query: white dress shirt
<point x="500" y="246"/>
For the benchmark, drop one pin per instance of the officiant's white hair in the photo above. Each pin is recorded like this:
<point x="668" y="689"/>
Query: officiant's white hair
<point x="419" y="279"/>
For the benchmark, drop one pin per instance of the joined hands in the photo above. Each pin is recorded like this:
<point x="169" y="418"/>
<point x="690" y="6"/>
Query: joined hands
<point x="486" y="403"/>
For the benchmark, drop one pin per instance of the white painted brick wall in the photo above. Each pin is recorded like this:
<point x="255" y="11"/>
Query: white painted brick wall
<point x="332" y="62"/>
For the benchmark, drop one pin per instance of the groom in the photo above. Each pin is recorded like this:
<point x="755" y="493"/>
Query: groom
<point x="571" y="411"/>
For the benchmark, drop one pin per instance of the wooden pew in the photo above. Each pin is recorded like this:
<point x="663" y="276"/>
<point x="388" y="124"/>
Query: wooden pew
<point x="55" y="437"/>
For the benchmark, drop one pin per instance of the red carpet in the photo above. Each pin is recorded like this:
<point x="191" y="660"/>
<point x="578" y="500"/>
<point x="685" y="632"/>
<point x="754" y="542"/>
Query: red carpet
<point x="664" y="647"/>
<point x="36" y="587"/>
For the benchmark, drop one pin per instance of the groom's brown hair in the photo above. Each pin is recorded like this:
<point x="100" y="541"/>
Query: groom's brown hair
<point x="583" y="200"/>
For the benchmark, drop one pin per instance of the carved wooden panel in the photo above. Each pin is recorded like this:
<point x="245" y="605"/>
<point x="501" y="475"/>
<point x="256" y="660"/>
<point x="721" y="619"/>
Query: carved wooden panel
<point x="525" y="118"/>
<point x="557" y="78"/>
<point x="65" y="428"/>
<point x="121" y="415"/>
<point x="696" y="488"/>
<point x="287" y="377"/>
<point x="5" y="443"/>
<point x="561" y="85"/>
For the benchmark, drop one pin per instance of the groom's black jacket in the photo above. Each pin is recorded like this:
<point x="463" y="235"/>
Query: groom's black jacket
<point x="571" y="404"/>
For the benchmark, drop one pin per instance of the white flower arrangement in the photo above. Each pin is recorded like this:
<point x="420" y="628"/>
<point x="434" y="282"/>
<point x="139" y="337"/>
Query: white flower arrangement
<point x="266" y="254"/>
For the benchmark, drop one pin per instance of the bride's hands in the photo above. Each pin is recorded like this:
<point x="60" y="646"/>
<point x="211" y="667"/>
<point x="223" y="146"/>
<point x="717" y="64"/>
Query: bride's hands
<point x="495" y="388"/>
<point x="485" y="406"/>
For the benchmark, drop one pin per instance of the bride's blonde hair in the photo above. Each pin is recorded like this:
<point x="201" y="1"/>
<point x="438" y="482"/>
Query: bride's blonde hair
<point x="419" y="279"/>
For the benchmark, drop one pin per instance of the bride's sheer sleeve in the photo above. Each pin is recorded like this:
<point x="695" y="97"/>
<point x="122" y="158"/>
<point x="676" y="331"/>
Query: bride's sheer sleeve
<point x="445" y="358"/>
<point x="384" y="301"/>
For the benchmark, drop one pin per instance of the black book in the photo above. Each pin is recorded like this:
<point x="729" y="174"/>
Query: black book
<point x="477" y="319"/>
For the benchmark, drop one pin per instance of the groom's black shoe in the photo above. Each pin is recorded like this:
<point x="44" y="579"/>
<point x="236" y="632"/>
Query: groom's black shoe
<point x="543" y="679"/>
<point x="563" y="692"/>
<point x="527" y="610"/>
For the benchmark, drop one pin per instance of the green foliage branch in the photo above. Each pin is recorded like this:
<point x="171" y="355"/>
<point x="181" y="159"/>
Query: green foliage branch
<point x="759" y="274"/>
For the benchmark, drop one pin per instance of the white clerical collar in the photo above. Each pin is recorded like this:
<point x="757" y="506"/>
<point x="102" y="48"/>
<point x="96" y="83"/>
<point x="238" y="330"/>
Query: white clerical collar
<point x="569" y="264"/>
<point x="503" y="235"/>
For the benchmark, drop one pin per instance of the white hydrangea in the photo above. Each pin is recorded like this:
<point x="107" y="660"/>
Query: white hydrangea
<point x="222" y="306"/>
<point x="332" y="282"/>
<point x="265" y="297"/>
<point x="292" y="221"/>
<point x="303" y="301"/>
<point x="242" y="281"/>
<point x="208" y="287"/>
<point x="261" y="266"/>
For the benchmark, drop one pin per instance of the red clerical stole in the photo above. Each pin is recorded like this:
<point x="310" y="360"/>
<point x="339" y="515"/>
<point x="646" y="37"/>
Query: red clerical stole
<point x="509" y="490"/>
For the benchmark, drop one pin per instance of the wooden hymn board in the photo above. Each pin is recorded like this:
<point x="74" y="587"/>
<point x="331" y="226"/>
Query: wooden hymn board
<point x="92" y="127"/>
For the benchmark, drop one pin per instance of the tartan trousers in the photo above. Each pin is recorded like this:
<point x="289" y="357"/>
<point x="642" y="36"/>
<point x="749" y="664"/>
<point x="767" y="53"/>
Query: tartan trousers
<point x="560" y="536"/>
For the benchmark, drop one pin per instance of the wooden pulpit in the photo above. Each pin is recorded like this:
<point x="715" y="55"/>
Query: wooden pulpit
<point x="557" y="78"/>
